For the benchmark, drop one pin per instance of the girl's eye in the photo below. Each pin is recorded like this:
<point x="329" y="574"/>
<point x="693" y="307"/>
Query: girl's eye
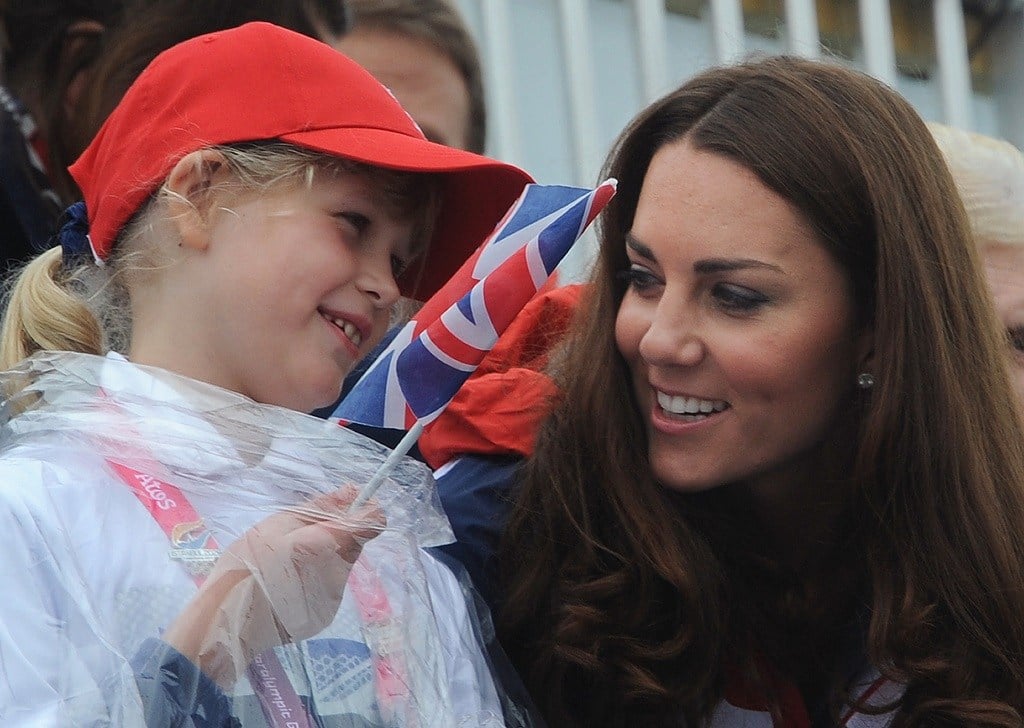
<point x="638" y="278"/>
<point x="738" y="299"/>
<point x="357" y="220"/>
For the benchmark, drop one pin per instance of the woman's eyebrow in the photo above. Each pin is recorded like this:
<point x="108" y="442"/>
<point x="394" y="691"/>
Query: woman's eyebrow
<point x="639" y="248"/>
<point x="707" y="266"/>
<point x="719" y="265"/>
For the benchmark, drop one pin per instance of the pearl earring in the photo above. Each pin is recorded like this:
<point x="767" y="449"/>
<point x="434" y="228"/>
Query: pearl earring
<point x="865" y="380"/>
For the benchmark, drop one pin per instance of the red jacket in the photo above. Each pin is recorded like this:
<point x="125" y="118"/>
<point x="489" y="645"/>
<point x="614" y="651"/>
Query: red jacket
<point x="499" y="408"/>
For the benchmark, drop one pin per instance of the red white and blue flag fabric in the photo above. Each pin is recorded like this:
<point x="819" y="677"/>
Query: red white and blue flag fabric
<point x="418" y="374"/>
<point x="744" y="706"/>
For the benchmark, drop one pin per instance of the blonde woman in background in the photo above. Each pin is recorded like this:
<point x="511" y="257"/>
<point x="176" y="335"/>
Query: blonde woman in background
<point x="989" y="173"/>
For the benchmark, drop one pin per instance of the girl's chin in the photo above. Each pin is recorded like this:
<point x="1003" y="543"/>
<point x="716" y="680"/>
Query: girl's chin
<point x="315" y="398"/>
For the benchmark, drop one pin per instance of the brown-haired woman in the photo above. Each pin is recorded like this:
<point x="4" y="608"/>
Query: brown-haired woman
<point x="792" y="492"/>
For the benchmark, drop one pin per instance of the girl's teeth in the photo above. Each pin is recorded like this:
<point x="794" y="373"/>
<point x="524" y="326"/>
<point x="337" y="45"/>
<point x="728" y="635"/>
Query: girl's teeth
<point x="350" y="329"/>
<point x="352" y="332"/>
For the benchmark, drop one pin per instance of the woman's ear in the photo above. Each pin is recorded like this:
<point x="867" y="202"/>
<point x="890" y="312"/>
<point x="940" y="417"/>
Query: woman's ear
<point x="864" y="349"/>
<point x="191" y="185"/>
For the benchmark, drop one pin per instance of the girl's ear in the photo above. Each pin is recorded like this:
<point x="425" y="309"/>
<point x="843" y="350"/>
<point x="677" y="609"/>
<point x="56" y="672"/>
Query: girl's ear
<point x="191" y="184"/>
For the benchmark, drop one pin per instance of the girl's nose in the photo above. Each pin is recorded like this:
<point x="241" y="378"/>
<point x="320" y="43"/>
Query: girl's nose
<point x="377" y="280"/>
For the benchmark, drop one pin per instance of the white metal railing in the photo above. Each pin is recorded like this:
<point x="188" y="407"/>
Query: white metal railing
<point x="496" y="48"/>
<point x="726" y="29"/>
<point x="649" y="20"/>
<point x="877" y="37"/>
<point x="579" y="74"/>
<point x="954" y="66"/>
<point x="567" y="102"/>
<point x="802" y="24"/>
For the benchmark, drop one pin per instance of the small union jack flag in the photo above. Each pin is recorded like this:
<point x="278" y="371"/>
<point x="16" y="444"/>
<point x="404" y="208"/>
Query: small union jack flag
<point x="418" y="374"/>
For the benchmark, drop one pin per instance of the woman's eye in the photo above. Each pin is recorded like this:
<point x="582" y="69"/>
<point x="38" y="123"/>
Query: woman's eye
<point x="738" y="299"/>
<point x="1015" y="335"/>
<point x="398" y="265"/>
<point x="638" y="278"/>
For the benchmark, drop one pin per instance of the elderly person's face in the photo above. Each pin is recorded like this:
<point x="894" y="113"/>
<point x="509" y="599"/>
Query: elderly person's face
<point x="989" y="175"/>
<point x="1004" y="269"/>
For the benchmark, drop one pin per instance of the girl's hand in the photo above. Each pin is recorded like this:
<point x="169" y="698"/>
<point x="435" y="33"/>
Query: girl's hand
<point x="281" y="581"/>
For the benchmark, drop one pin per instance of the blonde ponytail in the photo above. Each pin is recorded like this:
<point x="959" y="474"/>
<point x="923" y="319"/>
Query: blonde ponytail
<point x="43" y="312"/>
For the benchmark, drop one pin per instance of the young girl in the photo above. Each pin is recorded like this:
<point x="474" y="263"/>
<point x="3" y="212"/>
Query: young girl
<point x="784" y="481"/>
<point x="179" y="547"/>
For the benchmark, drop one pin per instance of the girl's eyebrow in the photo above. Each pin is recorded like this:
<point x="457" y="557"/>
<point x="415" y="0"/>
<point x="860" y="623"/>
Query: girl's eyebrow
<point x="707" y="266"/>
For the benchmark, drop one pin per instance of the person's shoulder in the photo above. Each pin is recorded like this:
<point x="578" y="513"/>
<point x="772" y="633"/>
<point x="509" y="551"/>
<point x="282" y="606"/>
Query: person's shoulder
<point x="29" y="208"/>
<point x="34" y="505"/>
<point x="32" y="480"/>
<point x="69" y="516"/>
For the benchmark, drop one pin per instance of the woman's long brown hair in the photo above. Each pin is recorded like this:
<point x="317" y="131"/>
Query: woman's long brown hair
<point x="625" y="603"/>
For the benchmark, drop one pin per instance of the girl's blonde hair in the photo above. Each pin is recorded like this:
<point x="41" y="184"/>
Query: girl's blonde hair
<point x="51" y="305"/>
<point x="989" y="174"/>
<point x="44" y="312"/>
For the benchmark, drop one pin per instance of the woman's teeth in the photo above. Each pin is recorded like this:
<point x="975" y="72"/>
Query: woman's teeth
<point x="690" y="405"/>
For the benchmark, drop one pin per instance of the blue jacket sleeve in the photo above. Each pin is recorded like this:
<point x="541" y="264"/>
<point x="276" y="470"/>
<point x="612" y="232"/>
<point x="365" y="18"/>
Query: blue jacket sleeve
<point x="475" y="493"/>
<point x="175" y="692"/>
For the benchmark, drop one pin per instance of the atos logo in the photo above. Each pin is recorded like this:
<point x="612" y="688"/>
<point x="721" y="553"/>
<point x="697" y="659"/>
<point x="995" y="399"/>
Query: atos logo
<point x="154" y="489"/>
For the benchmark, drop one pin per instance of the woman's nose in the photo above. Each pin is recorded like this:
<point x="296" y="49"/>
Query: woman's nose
<point x="672" y="339"/>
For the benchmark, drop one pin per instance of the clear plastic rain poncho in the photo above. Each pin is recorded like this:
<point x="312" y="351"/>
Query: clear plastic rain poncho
<point x="137" y="505"/>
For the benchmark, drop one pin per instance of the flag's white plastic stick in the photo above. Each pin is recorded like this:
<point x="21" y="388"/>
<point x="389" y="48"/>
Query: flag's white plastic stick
<point x="403" y="447"/>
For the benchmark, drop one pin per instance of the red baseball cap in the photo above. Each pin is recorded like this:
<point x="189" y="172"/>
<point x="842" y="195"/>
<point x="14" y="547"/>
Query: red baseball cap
<point x="261" y="82"/>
